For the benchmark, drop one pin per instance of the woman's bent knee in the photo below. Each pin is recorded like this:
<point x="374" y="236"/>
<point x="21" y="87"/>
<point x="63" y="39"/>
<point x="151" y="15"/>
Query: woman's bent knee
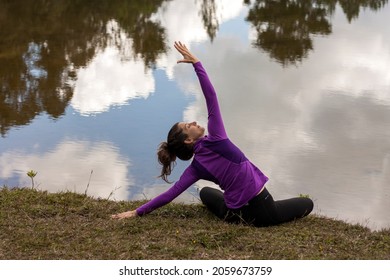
<point x="309" y="206"/>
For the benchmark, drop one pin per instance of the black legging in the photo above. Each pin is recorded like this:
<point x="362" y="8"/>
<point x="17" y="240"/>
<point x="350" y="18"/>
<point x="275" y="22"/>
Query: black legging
<point x="260" y="211"/>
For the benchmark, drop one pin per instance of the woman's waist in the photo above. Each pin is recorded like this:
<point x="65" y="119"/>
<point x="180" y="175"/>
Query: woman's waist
<point x="261" y="190"/>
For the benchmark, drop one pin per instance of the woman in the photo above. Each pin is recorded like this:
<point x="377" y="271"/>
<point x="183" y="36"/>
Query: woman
<point x="217" y="159"/>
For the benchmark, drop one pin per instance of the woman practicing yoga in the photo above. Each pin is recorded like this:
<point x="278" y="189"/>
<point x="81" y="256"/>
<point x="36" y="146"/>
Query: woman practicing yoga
<point x="215" y="158"/>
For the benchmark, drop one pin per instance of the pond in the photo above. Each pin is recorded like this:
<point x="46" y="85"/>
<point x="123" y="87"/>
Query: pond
<point x="90" y="88"/>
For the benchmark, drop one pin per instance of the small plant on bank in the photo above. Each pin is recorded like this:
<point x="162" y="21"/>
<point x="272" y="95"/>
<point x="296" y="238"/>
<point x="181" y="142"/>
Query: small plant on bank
<point x="32" y="174"/>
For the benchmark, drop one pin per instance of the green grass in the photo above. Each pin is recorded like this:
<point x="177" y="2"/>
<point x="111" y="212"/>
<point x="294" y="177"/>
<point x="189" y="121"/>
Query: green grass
<point x="41" y="225"/>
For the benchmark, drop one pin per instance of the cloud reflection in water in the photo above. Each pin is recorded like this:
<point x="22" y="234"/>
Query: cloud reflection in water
<point x="112" y="77"/>
<point x="68" y="167"/>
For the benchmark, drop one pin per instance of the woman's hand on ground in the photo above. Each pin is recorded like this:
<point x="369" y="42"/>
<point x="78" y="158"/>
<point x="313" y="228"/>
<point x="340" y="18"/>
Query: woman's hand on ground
<point x="188" y="57"/>
<point x="123" y="215"/>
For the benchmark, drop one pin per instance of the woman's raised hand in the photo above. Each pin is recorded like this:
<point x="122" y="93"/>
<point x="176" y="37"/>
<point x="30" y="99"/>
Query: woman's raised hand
<point x="188" y="57"/>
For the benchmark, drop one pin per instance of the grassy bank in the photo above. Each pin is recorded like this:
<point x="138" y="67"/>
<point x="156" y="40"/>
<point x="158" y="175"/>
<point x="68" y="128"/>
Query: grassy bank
<point x="41" y="225"/>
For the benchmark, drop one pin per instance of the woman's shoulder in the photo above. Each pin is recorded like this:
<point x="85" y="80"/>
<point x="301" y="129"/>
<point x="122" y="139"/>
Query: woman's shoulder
<point x="211" y="142"/>
<point x="223" y="147"/>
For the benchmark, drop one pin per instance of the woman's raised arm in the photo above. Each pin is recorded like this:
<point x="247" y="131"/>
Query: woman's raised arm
<point x="215" y="124"/>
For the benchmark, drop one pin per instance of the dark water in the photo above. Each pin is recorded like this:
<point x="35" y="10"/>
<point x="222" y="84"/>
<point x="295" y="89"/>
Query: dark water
<point x="90" y="88"/>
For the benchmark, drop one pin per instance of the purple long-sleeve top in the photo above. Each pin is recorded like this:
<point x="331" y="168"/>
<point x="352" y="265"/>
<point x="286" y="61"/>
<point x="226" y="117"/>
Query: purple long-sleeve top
<point x="216" y="159"/>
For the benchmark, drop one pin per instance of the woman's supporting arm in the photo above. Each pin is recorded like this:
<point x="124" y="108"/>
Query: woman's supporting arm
<point x="187" y="179"/>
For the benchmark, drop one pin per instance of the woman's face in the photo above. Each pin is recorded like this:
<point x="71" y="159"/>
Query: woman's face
<point x="193" y="131"/>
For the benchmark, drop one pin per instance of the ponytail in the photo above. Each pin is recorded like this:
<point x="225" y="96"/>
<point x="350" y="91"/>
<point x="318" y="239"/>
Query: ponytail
<point x="174" y="147"/>
<point x="166" y="159"/>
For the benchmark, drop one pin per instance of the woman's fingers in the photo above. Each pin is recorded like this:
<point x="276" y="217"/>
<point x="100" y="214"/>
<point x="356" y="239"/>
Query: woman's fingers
<point x="181" y="48"/>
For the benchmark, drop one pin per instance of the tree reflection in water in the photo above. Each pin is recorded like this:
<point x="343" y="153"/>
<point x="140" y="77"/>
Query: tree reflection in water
<point x="43" y="42"/>
<point x="285" y="28"/>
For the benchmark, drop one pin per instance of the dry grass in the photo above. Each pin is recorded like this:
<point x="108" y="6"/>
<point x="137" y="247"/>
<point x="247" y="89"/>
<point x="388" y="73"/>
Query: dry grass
<point x="41" y="225"/>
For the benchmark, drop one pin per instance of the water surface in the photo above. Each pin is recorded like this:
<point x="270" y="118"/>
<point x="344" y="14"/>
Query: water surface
<point x="90" y="88"/>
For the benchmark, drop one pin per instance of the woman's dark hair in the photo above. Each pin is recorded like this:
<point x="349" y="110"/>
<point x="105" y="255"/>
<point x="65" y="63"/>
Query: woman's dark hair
<point x="174" y="147"/>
